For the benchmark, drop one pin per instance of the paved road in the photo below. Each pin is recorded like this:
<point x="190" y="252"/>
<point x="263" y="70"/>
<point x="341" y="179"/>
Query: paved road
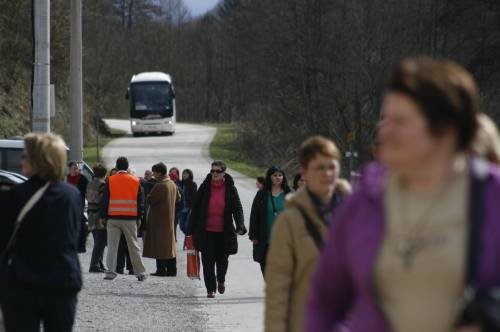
<point x="174" y="304"/>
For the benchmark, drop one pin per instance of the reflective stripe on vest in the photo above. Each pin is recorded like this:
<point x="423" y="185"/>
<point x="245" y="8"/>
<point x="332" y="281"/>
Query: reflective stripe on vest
<point x="123" y="189"/>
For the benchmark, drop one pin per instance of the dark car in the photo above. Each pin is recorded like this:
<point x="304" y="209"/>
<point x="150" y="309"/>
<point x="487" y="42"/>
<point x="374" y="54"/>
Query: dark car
<point x="9" y="179"/>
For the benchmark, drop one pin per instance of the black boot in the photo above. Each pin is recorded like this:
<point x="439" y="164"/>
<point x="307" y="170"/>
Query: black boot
<point x="160" y="268"/>
<point x="171" y="267"/>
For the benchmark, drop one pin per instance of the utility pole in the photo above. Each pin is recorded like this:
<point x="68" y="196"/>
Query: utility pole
<point x="40" y="114"/>
<point x="75" y="88"/>
<point x="351" y="155"/>
<point x="97" y="119"/>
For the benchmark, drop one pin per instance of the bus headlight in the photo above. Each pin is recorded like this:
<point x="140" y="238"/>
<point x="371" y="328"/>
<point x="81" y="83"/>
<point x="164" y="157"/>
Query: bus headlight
<point x="134" y="123"/>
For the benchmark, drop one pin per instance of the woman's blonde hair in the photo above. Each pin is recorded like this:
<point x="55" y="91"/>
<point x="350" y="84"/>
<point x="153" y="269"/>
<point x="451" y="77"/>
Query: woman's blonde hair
<point x="47" y="155"/>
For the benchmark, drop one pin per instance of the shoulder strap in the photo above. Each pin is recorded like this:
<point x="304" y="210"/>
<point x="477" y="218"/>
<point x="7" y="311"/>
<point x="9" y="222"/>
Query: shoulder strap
<point x="26" y="208"/>
<point x="476" y="219"/>
<point x="312" y="229"/>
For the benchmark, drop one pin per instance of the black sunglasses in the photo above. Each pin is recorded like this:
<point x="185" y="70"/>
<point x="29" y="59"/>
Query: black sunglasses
<point x="218" y="171"/>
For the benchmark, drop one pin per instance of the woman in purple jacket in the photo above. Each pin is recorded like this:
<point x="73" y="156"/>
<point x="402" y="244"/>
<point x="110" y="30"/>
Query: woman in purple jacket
<point x="395" y="258"/>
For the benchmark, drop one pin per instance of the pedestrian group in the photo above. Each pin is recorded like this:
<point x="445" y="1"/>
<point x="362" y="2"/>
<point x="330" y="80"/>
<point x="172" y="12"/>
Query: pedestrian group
<point x="414" y="246"/>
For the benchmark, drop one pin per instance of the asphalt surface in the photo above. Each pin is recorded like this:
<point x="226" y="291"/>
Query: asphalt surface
<point x="173" y="304"/>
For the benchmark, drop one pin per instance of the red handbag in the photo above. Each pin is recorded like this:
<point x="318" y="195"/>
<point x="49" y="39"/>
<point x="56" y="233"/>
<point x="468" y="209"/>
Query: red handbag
<point x="193" y="259"/>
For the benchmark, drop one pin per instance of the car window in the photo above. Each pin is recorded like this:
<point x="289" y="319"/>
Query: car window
<point x="86" y="171"/>
<point x="12" y="160"/>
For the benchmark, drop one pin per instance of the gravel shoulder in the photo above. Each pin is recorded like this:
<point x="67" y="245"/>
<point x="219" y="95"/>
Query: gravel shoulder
<point x="125" y="304"/>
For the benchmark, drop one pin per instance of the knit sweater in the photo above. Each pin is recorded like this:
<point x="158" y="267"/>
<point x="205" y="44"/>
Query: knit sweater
<point x="215" y="215"/>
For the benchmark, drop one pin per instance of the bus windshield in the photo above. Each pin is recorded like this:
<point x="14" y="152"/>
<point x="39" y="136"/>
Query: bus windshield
<point x="151" y="96"/>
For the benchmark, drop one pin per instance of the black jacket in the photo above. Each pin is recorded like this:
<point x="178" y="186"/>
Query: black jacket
<point x="258" y="224"/>
<point x="45" y="253"/>
<point x="232" y="209"/>
<point x="189" y="193"/>
<point x="147" y="186"/>
<point x="258" y="219"/>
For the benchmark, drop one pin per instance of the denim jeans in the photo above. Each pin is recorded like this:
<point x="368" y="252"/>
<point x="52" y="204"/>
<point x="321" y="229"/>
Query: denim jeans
<point x="184" y="220"/>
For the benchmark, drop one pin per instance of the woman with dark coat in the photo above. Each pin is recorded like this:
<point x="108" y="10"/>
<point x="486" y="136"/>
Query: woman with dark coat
<point x="43" y="276"/>
<point x="266" y="206"/>
<point x="77" y="179"/>
<point x="174" y="175"/>
<point x="188" y="190"/>
<point x="159" y="242"/>
<point x="217" y="203"/>
<point x="95" y="191"/>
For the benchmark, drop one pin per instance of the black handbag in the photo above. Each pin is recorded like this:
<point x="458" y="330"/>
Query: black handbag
<point x="478" y="306"/>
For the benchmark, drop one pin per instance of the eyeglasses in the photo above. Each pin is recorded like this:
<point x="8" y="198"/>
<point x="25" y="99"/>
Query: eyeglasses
<point x="218" y="171"/>
<point x="323" y="168"/>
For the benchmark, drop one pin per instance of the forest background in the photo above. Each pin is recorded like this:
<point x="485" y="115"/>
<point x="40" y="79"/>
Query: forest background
<point x="278" y="70"/>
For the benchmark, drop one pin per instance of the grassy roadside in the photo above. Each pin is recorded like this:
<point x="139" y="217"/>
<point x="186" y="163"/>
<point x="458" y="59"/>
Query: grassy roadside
<point x="90" y="150"/>
<point x="223" y="147"/>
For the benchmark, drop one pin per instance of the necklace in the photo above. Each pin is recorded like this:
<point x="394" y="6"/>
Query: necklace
<point x="408" y="245"/>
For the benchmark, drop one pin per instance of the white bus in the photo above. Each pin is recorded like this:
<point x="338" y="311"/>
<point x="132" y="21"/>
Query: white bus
<point x="152" y="103"/>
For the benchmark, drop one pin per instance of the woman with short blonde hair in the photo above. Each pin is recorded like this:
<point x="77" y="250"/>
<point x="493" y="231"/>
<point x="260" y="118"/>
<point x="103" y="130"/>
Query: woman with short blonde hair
<point x="43" y="276"/>
<point x="46" y="154"/>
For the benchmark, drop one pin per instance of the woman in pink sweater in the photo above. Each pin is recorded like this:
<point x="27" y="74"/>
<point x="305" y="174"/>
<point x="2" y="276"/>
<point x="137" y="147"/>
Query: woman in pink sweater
<point x="216" y="205"/>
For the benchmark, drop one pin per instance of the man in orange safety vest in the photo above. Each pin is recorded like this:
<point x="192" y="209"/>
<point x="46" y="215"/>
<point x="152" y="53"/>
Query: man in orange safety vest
<point x="121" y="210"/>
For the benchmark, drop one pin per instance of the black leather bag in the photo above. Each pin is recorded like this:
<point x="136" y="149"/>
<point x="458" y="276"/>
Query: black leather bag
<point x="482" y="308"/>
<point x="479" y="306"/>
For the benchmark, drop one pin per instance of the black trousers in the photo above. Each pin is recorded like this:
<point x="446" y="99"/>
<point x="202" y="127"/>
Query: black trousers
<point x="100" y="240"/>
<point x="25" y="309"/>
<point x="214" y="257"/>
<point x="167" y="266"/>
<point x="123" y="257"/>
